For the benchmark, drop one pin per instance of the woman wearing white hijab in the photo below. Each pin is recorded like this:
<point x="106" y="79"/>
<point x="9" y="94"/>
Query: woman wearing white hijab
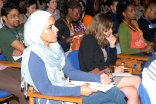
<point x="44" y="65"/>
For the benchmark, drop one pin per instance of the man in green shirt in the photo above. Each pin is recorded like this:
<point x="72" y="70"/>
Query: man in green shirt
<point x="11" y="35"/>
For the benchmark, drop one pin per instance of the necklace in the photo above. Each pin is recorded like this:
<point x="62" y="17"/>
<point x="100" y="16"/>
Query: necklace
<point x="70" y="26"/>
<point x="136" y="29"/>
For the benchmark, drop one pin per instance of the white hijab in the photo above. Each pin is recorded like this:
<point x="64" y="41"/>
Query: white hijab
<point x="53" y="58"/>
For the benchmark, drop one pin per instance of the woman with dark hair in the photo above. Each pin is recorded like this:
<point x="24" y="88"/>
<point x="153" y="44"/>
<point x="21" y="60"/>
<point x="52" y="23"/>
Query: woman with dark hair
<point x="66" y="25"/>
<point x="51" y="6"/>
<point x="27" y="9"/>
<point x="94" y="57"/>
<point x="144" y="3"/>
<point x="44" y="65"/>
<point x="130" y="36"/>
<point x="92" y="8"/>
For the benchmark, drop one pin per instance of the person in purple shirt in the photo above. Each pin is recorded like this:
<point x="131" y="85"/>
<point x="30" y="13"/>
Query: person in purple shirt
<point x="44" y="66"/>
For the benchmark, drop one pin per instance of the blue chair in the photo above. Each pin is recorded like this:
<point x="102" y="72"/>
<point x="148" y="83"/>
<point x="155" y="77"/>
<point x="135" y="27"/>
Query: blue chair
<point x="74" y="60"/>
<point x="4" y="95"/>
<point x="144" y="95"/>
<point x="2" y="57"/>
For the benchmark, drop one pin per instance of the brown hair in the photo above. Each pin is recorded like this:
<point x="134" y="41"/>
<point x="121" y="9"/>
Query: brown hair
<point x="100" y="23"/>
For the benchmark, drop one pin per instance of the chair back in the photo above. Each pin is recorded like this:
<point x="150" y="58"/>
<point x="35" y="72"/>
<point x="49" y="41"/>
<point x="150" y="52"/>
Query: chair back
<point x="2" y="57"/>
<point x="74" y="59"/>
<point x="144" y="95"/>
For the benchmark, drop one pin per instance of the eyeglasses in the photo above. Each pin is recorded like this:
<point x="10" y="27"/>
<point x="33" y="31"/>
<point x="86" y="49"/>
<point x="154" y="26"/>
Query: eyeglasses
<point x="153" y="11"/>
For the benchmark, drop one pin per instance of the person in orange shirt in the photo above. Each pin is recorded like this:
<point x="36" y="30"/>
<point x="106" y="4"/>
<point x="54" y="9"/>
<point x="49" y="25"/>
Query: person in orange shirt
<point x="92" y="8"/>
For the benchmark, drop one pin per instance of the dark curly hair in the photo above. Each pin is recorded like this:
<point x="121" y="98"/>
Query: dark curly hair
<point x="7" y="7"/>
<point x="72" y="4"/>
<point x="121" y="7"/>
<point x="26" y="5"/>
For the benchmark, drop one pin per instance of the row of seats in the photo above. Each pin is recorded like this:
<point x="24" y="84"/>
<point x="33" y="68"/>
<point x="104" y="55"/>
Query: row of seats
<point x="73" y="59"/>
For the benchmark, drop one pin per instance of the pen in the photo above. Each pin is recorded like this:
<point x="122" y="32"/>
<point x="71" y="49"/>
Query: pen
<point x="123" y="68"/>
<point x="110" y="78"/>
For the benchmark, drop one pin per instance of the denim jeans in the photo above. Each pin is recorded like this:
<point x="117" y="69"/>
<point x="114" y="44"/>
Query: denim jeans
<point x="113" y="96"/>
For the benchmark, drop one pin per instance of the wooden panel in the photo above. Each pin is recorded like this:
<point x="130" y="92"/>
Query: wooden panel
<point x="142" y="58"/>
<point x="61" y="98"/>
<point x="3" y="99"/>
<point x="11" y="64"/>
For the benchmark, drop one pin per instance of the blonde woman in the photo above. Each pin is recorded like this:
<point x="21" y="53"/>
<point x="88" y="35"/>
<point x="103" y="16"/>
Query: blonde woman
<point x="95" y="58"/>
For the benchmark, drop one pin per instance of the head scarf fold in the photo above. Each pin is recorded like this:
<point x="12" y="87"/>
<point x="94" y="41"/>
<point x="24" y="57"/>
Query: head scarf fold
<point x="53" y="57"/>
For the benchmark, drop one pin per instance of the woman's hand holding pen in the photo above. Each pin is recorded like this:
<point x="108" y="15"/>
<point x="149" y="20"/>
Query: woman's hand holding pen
<point x="106" y="78"/>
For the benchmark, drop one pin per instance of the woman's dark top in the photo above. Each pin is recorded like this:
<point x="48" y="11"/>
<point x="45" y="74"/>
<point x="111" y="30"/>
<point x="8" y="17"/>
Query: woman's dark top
<point x="63" y="33"/>
<point x="91" y="55"/>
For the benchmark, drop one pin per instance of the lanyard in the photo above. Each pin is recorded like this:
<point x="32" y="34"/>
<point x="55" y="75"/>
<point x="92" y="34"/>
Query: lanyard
<point x="26" y="16"/>
<point x="1" y="22"/>
<point x="13" y="32"/>
<point x="150" y="22"/>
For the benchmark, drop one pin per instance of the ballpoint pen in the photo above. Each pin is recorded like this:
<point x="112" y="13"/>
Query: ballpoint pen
<point x="107" y="74"/>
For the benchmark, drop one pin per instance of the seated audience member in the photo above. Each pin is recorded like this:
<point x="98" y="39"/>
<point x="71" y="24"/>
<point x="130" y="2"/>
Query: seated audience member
<point x="94" y="58"/>
<point x="147" y="22"/>
<point x="66" y="25"/>
<point x="113" y="14"/>
<point x="92" y="8"/>
<point x="149" y="75"/>
<point x="83" y="5"/>
<point x="1" y="21"/>
<point x="11" y="35"/>
<point x="11" y="81"/>
<point x="27" y="9"/>
<point x="139" y="9"/>
<point x="21" y="3"/>
<point x="145" y="3"/>
<point x="44" y="70"/>
<point x="51" y="8"/>
<point x="130" y="36"/>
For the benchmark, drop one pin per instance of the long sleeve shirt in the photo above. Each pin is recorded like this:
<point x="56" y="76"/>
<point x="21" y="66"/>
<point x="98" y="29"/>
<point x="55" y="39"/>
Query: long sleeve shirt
<point x="40" y="78"/>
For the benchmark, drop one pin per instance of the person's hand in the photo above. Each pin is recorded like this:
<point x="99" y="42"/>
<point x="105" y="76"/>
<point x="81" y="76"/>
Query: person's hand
<point x="111" y="39"/>
<point x="86" y="91"/>
<point x="148" y="48"/>
<point x="119" y="69"/>
<point x="70" y="39"/>
<point x="95" y="71"/>
<point x="108" y="70"/>
<point x="16" y="53"/>
<point x="79" y="33"/>
<point x="105" y="78"/>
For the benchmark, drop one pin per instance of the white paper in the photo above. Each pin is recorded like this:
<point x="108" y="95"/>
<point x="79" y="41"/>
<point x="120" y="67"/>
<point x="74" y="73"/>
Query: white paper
<point x="121" y="74"/>
<point x="94" y="85"/>
<point x="16" y="57"/>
